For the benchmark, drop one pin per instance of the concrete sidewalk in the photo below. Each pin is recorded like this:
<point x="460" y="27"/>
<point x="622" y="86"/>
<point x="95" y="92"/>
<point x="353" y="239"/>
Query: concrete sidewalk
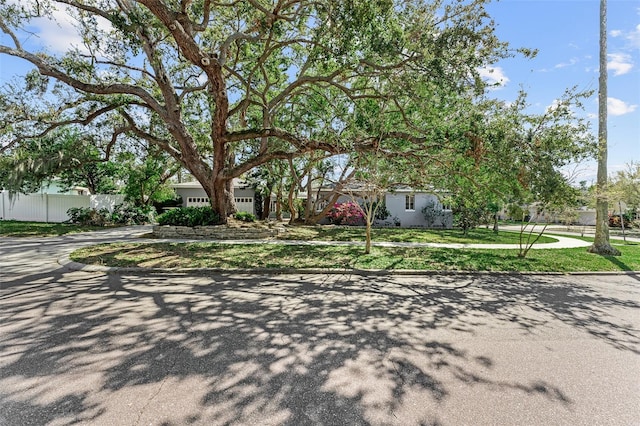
<point x="133" y="234"/>
<point x="127" y="234"/>
<point x="578" y="231"/>
<point x="58" y="249"/>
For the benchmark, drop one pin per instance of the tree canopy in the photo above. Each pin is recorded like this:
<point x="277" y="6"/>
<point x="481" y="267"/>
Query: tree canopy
<point x="223" y="87"/>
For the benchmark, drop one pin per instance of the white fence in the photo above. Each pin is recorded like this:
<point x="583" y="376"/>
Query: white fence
<point x="51" y="207"/>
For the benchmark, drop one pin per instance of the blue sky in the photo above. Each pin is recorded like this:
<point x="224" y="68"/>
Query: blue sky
<point x="566" y="33"/>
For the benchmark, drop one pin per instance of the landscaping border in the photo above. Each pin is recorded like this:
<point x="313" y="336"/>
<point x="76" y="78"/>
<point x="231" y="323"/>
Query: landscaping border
<point x="217" y="232"/>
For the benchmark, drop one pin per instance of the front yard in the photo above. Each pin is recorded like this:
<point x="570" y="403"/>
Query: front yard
<point x="418" y="235"/>
<point x="276" y="256"/>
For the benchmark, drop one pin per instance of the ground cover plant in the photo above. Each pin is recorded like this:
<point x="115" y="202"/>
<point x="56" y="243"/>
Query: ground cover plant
<point x="13" y="228"/>
<point x="231" y="256"/>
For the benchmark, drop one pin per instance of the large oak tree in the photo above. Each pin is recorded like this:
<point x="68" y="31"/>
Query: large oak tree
<point x="224" y="87"/>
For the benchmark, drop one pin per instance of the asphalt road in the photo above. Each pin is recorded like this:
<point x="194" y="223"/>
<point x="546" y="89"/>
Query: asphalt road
<point x="176" y="349"/>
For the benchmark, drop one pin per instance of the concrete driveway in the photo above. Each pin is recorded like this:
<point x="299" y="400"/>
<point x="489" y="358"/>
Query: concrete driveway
<point x="176" y="349"/>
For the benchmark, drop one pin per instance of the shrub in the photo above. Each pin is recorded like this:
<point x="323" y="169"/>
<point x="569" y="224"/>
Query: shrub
<point x="245" y="216"/>
<point x="433" y="214"/>
<point x="127" y="214"/>
<point x="160" y="206"/>
<point x="348" y="213"/>
<point x="616" y="222"/>
<point x="88" y="216"/>
<point x="123" y="214"/>
<point x="380" y="207"/>
<point x="190" y="216"/>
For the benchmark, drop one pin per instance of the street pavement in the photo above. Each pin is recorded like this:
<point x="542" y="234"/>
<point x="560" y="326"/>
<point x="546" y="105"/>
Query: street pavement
<point x="140" y="348"/>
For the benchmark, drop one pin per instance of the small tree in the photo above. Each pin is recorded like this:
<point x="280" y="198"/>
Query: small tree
<point x="374" y="176"/>
<point x="432" y="214"/>
<point x="553" y="195"/>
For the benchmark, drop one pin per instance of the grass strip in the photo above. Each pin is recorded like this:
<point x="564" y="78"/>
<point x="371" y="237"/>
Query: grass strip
<point x="250" y="256"/>
<point x="14" y="228"/>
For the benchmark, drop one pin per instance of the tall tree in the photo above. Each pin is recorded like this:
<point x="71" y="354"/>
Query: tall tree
<point x="506" y="155"/>
<point x="67" y="155"/>
<point x="214" y="84"/>
<point x="601" y="243"/>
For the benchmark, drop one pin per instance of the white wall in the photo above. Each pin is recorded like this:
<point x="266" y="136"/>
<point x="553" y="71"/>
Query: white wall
<point x="51" y="207"/>
<point x="396" y="204"/>
<point x="244" y="198"/>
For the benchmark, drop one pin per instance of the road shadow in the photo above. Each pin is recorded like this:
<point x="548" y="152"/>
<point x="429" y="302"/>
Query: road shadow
<point x="291" y="349"/>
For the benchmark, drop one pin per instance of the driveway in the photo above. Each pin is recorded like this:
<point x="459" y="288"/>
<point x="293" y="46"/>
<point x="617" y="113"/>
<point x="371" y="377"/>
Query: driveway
<point x="178" y="349"/>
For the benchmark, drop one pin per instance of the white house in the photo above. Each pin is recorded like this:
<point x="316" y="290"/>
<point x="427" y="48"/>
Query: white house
<point x="193" y="194"/>
<point x="405" y="205"/>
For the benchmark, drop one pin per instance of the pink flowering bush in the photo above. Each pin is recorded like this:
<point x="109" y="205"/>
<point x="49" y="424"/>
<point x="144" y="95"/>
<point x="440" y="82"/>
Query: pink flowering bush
<point x="348" y="213"/>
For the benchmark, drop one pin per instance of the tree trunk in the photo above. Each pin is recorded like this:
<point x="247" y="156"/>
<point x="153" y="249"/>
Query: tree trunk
<point x="310" y="205"/>
<point x="215" y="190"/>
<point x="367" y="245"/>
<point x="601" y="243"/>
<point x="292" y="207"/>
<point x="279" y="202"/>
<point x="266" y="205"/>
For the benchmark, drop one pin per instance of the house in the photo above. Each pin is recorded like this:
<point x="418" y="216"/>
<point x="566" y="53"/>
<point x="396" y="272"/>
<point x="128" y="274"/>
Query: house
<point x="405" y="205"/>
<point x="418" y="209"/>
<point x="193" y="195"/>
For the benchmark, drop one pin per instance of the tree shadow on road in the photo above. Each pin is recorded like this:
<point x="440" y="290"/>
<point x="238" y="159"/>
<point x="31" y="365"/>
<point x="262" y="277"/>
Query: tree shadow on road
<point x="233" y="349"/>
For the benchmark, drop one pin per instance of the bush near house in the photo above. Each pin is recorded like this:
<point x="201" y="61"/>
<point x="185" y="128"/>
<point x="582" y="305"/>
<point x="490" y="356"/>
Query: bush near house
<point x="165" y="204"/>
<point x="122" y="214"/>
<point x="245" y="216"/>
<point x="348" y="213"/>
<point x="190" y="216"/>
<point x="616" y="222"/>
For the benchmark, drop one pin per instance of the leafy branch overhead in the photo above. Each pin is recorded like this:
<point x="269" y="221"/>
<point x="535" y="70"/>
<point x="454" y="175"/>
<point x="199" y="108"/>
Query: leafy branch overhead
<point x="274" y="80"/>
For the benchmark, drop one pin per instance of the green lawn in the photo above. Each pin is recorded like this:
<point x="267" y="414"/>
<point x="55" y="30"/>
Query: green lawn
<point x="349" y="233"/>
<point x="13" y="228"/>
<point x="223" y="256"/>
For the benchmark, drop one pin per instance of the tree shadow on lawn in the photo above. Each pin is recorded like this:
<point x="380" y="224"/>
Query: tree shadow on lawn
<point x="622" y="266"/>
<point x="233" y="349"/>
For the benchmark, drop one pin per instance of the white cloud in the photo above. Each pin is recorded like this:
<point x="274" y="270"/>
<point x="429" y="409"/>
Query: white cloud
<point x="634" y="37"/>
<point x="560" y="106"/>
<point x="620" y="63"/>
<point x="554" y="105"/>
<point x="572" y="61"/>
<point x="493" y="75"/>
<point x="619" y="107"/>
<point x="58" y="32"/>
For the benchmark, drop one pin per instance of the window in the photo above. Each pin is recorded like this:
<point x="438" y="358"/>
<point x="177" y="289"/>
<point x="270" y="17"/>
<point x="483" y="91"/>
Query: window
<point x="191" y="201"/>
<point x="410" y="202"/>
<point x="244" y="200"/>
